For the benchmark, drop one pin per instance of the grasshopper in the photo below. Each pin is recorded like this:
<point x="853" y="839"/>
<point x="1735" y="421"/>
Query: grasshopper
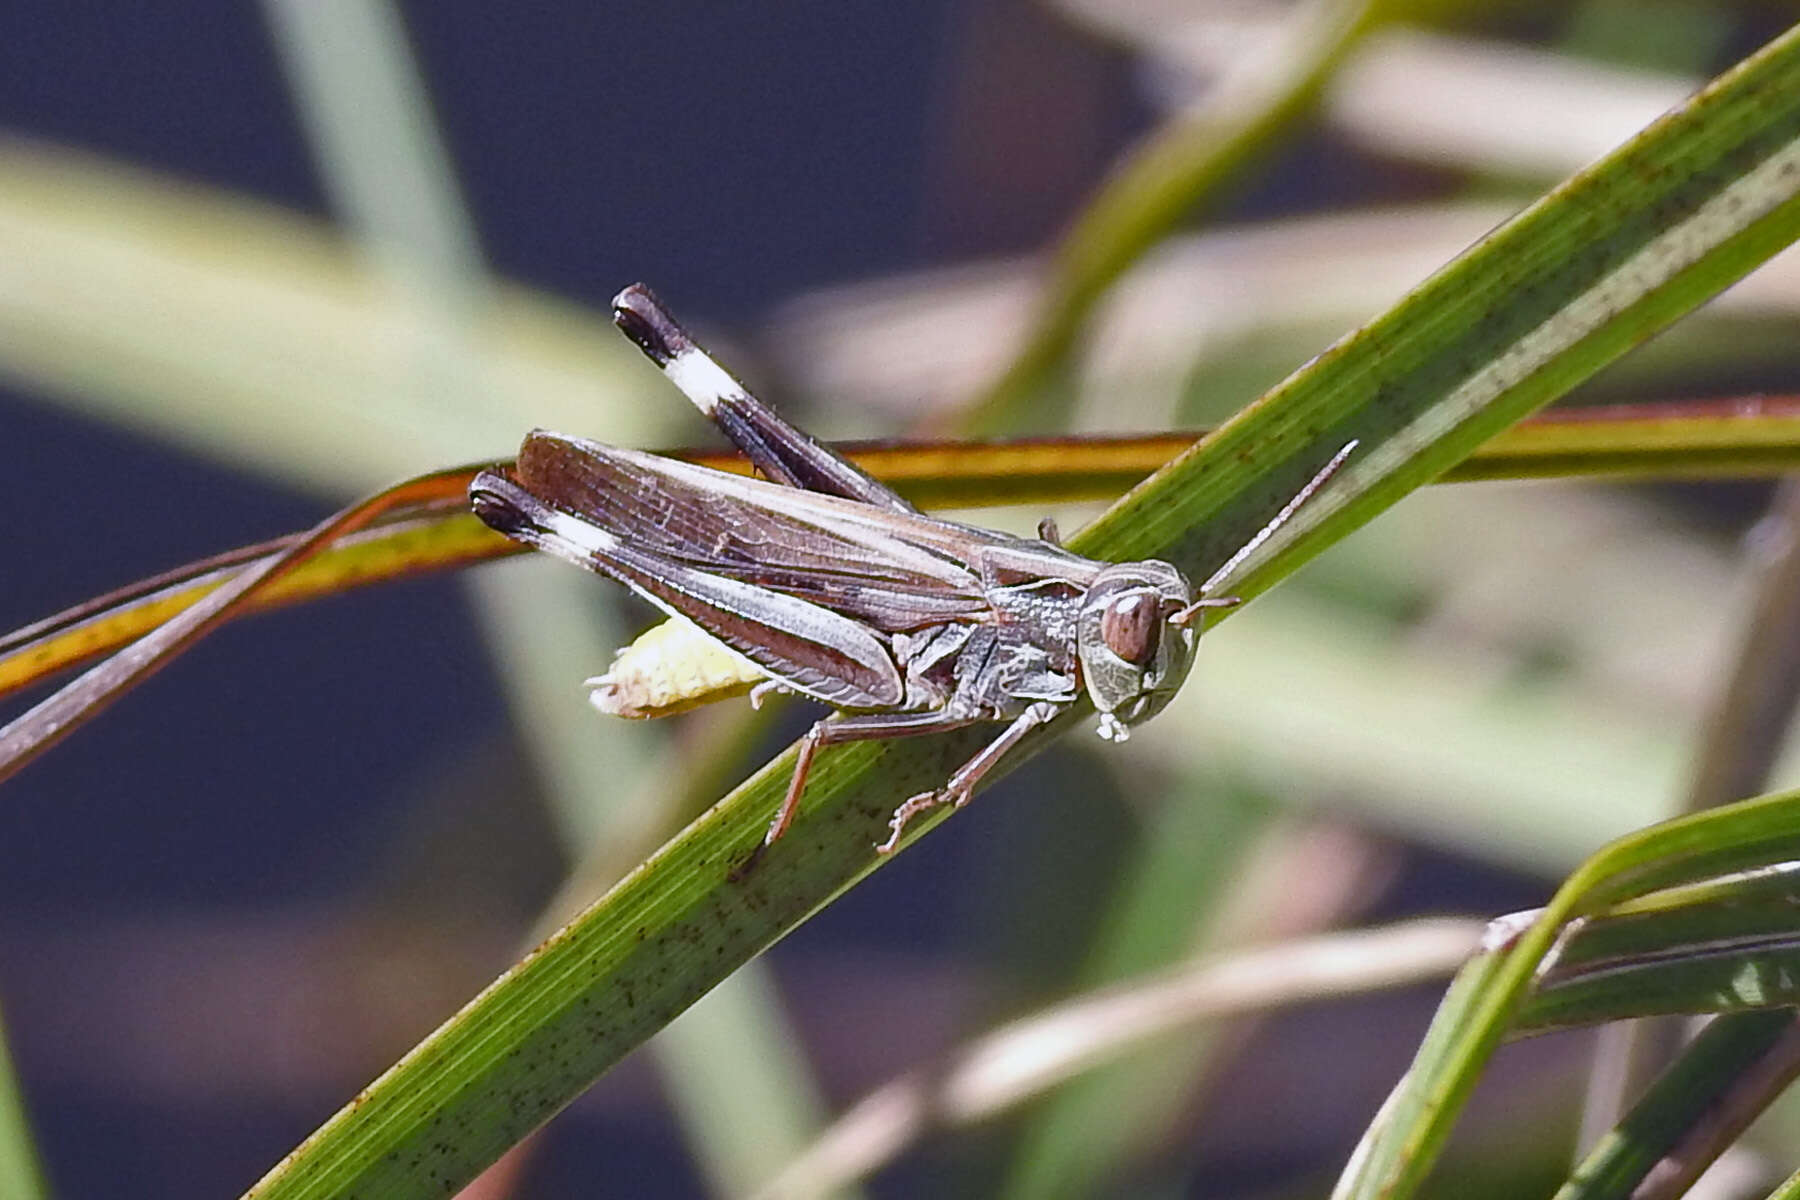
<point x="837" y="588"/>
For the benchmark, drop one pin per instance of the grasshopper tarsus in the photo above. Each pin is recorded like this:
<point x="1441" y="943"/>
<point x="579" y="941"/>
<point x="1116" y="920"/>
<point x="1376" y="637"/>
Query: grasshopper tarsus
<point x="911" y="807"/>
<point x="961" y="787"/>
<point x="767" y="688"/>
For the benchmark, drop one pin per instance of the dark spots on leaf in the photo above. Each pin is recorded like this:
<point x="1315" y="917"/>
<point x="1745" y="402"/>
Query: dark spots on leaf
<point x="738" y="873"/>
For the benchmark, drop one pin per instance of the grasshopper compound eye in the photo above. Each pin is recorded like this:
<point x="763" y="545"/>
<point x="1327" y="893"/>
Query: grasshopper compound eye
<point x="1130" y="627"/>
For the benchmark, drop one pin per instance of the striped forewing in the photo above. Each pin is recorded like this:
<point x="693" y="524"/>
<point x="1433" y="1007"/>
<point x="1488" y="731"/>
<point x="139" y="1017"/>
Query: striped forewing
<point x="890" y="571"/>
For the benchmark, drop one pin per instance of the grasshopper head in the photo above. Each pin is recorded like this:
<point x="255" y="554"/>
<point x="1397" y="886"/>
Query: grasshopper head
<point x="1134" y="653"/>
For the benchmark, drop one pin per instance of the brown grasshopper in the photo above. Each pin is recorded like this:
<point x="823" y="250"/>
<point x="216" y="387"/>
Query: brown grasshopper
<point x="837" y="588"/>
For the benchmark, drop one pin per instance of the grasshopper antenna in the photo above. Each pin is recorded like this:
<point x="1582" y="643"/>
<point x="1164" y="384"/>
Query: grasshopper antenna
<point x="1206" y="599"/>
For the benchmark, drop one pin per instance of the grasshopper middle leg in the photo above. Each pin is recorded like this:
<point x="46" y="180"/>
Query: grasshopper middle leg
<point x="860" y="728"/>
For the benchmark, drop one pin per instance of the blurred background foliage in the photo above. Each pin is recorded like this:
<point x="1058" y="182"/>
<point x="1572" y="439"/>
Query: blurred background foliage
<point x="257" y="259"/>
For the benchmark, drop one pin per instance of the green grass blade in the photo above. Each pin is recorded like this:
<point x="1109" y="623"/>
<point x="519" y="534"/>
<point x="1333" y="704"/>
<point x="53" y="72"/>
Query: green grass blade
<point x="1756" y="976"/>
<point x="1724" y="945"/>
<point x="1449" y="1026"/>
<point x="21" y="1171"/>
<point x="1398" y="1151"/>
<point x="1789" y="1189"/>
<point x="1600" y="264"/>
<point x="1687" y="1093"/>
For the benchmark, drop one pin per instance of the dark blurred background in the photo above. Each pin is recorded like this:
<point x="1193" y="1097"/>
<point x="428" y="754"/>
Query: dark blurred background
<point x="237" y="897"/>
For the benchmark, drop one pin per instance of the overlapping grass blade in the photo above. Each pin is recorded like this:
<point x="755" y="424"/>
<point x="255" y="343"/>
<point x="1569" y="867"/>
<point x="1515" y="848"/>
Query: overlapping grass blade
<point x="1691" y="1090"/>
<point x="1398" y="1151"/>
